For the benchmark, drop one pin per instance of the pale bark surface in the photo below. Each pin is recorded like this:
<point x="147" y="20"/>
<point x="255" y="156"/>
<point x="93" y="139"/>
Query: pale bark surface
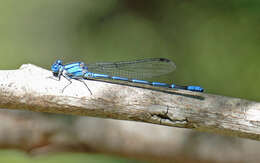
<point x="31" y="87"/>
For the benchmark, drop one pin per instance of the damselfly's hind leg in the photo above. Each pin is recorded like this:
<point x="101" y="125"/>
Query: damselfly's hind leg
<point x="83" y="81"/>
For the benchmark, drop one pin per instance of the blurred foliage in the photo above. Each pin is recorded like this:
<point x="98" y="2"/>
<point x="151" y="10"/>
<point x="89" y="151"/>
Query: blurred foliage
<point x="215" y="44"/>
<point x="19" y="157"/>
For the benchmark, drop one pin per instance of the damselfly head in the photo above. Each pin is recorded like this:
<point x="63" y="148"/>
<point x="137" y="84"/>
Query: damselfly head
<point x="58" y="61"/>
<point x="56" y="67"/>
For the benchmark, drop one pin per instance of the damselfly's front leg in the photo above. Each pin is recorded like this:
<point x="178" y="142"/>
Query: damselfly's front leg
<point x="69" y="79"/>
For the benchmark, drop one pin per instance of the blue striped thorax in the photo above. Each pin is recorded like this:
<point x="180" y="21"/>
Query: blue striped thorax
<point x="72" y="70"/>
<point x="75" y="70"/>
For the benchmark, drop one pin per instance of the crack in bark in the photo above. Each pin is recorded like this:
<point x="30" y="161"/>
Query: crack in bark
<point x="164" y="116"/>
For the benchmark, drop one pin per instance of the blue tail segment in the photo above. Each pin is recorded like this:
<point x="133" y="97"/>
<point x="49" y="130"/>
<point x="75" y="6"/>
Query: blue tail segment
<point x="195" y="88"/>
<point x="129" y="71"/>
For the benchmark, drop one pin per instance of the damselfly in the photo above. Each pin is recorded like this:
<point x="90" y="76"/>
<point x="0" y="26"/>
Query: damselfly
<point x="129" y="71"/>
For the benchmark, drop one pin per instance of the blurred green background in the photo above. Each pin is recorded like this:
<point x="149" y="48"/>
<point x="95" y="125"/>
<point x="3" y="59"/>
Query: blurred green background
<point x="13" y="156"/>
<point x="214" y="44"/>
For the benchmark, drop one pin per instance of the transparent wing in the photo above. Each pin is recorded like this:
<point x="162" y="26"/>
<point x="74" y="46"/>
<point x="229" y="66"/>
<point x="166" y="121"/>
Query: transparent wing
<point x="138" y="69"/>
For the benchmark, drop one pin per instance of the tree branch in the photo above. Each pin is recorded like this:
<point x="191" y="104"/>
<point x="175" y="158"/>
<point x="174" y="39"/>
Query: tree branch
<point x="32" y="87"/>
<point x="39" y="134"/>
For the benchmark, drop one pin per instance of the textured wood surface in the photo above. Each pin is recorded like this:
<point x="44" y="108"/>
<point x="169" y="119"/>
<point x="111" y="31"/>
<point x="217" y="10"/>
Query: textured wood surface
<point x="33" y="88"/>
